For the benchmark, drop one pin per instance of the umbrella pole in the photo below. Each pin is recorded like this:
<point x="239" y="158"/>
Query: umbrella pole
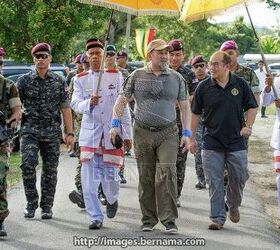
<point x="260" y="47"/>
<point x="102" y="65"/>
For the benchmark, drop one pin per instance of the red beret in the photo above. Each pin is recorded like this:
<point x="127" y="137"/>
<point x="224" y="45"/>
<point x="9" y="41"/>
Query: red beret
<point x="78" y="58"/>
<point x="229" y="45"/>
<point x="197" y="59"/>
<point x="94" y="43"/>
<point x="2" y="52"/>
<point x="176" y="44"/>
<point x="41" y="47"/>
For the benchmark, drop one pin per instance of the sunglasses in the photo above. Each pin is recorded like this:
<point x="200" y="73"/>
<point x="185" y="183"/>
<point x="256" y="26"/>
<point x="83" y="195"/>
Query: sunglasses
<point x="196" y="66"/>
<point x="41" y="56"/>
<point x="110" y="54"/>
<point x="1" y="62"/>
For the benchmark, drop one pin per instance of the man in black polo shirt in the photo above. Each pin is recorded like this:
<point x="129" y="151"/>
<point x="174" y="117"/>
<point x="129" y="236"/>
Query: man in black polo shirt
<point x="222" y="100"/>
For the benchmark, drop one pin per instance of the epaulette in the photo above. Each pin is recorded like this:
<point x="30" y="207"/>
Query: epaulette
<point x="84" y="73"/>
<point x="111" y="70"/>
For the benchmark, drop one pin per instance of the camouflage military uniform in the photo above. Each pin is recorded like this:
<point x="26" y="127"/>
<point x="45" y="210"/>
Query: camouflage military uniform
<point x="77" y="120"/>
<point x="250" y="76"/>
<point x="189" y="77"/>
<point x="42" y="100"/>
<point x="6" y="96"/>
<point x="70" y="76"/>
<point x="130" y="69"/>
<point x="124" y="72"/>
<point x="199" y="138"/>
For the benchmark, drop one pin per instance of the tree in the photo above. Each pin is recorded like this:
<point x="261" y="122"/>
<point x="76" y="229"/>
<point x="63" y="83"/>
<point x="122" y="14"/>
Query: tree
<point x="273" y="4"/>
<point x="24" y="23"/>
<point x="270" y="44"/>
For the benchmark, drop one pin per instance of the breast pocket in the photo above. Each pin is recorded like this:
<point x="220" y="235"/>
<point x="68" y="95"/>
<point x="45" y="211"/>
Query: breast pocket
<point x="33" y="92"/>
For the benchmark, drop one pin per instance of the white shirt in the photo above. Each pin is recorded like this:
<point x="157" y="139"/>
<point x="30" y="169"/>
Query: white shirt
<point x="261" y="76"/>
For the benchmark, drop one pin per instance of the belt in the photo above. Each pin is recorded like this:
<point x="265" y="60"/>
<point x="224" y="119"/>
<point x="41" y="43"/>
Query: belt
<point x="155" y="128"/>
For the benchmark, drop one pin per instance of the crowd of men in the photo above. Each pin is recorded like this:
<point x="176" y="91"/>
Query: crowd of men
<point x="163" y="110"/>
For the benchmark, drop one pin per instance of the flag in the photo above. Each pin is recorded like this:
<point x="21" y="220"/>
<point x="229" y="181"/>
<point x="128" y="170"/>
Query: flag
<point x="143" y="38"/>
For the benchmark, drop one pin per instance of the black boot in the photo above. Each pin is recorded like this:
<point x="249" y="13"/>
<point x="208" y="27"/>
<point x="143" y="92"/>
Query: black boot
<point x="77" y="198"/>
<point x="29" y="211"/>
<point x="121" y="174"/>
<point x="263" y="112"/>
<point x="3" y="232"/>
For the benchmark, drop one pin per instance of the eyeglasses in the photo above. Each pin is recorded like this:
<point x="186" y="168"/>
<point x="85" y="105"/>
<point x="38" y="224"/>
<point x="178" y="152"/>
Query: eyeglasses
<point x="110" y="54"/>
<point x="201" y="65"/>
<point x="41" y="56"/>
<point x="1" y="62"/>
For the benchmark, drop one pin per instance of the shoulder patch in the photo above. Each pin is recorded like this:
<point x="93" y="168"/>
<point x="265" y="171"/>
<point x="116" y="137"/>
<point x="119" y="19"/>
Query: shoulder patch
<point x="84" y="73"/>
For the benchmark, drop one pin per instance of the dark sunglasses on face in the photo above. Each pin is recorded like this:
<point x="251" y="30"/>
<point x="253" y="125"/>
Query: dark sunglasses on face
<point x="110" y="54"/>
<point x="41" y="56"/>
<point x="1" y="62"/>
<point x="196" y="66"/>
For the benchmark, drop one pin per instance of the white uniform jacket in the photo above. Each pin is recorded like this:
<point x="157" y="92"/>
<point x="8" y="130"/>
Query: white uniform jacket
<point x="267" y="99"/>
<point x="97" y="121"/>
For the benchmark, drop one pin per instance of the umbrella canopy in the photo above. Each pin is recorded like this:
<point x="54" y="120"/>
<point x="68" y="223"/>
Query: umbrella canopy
<point x="194" y="10"/>
<point x="140" y="7"/>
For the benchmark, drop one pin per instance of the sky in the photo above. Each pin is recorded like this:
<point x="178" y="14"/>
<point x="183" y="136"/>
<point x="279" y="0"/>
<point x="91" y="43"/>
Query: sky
<point x="261" y="15"/>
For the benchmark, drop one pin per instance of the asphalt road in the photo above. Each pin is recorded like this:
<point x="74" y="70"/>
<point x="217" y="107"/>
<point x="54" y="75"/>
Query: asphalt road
<point x="69" y="227"/>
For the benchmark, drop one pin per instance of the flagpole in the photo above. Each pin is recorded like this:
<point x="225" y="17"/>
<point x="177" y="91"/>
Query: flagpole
<point x="260" y="47"/>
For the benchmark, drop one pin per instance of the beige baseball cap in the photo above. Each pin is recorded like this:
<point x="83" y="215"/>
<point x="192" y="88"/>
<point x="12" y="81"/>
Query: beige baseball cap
<point x="158" y="44"/>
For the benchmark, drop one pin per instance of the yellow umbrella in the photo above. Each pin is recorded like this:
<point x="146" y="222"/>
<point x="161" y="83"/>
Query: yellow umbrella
<point x="194" y="10"/>
<point x="140" y="7"/>
<point x="135" y="7"/>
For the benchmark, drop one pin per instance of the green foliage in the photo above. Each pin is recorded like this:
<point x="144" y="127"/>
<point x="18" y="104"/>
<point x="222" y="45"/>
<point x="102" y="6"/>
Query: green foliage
<point x="67" y="24"/>
<point x="270" y="44"/>
<point x="199" y="37"/>
<point x="25" y="23"/>
<point x="273" y="4"/>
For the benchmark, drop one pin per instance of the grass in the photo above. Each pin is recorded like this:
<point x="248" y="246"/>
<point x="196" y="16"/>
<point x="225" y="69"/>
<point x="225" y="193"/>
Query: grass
<point x="14" y="175"/>
<point x="270" y="110"/>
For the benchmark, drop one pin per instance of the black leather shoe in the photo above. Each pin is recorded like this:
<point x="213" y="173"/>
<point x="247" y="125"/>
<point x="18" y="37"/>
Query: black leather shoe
<point x="123" y="180"/>
<point x="46" y="213"/>
<point x="29" y="211"/>
<point x="111" y="210"/>
<point x="96" y="224"/>
<point x="170" y="227"/>
<point x="3" y="232"/>
<point x="77" y="198"/>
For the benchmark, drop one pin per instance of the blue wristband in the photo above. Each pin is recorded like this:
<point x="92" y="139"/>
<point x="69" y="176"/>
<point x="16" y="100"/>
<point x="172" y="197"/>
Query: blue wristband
<point x="116" y="123"/>
<point x="187" y="133"/>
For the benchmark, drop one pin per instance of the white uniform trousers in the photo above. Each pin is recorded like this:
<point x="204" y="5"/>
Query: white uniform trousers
<point x="93" y="173"/>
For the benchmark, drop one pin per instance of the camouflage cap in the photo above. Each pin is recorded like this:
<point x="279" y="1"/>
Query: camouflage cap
<point x="158" y="44"/>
